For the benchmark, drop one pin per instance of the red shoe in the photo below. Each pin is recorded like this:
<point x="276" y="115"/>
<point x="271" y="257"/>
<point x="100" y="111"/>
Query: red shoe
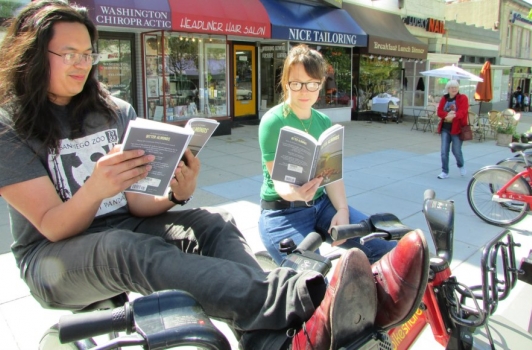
<point x="401" y="278"/>
<point x="348" y="308"/>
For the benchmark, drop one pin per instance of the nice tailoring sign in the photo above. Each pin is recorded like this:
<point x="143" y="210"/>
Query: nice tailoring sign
<point x="320" y="36"/>
<point x="197" y="16"/>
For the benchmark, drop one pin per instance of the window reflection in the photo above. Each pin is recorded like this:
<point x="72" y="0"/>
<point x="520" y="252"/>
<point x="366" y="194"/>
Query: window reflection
<point x="185" y="76"/>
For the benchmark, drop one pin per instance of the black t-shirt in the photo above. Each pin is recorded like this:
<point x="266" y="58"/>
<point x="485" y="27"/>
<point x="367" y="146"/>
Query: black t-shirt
<point x="450" y="105"/>
<point x="25" y="160"/>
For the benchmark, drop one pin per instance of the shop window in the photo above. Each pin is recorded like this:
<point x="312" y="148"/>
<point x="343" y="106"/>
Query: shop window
<point x="272" y="56"/>
<point x="185" y="76"/>
<point x="381" y="77"/>
<point x="116" y="65"/>
<point x="336" y="90"/>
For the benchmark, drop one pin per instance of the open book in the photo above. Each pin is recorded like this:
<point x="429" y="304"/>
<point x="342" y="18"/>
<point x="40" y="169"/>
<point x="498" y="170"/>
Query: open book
<point x="168" y="143"/>
<point x="300" y="158"/>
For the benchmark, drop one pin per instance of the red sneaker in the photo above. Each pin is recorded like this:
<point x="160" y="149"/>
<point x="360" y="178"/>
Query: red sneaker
<point x="401" y="277"/>
<point x="348" y="308"/>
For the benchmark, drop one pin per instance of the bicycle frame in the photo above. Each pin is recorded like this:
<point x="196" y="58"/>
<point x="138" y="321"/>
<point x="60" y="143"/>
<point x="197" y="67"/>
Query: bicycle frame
<point x="504" y="195"/>
<point x="448" y="317"/>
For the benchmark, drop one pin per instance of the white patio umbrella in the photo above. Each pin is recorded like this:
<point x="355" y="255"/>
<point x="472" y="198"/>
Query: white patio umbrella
<point x="451" y="72"/>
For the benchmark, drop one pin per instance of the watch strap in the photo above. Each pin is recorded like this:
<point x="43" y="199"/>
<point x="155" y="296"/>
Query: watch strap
<point x="172" y="199"/>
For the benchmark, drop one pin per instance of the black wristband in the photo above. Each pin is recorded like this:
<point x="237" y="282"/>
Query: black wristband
<point x="172" y="199"/>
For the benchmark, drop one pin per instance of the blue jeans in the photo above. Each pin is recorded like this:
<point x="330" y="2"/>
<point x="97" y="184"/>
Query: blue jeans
<point x="296" y="223"/>
<point x="446" y="140"/>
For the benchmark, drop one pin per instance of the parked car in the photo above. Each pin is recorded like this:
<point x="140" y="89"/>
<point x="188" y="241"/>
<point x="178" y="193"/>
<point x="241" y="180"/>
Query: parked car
<point x="385" y="98"/>
<point x="243" y="94"/>
<point x="186" y="88"/>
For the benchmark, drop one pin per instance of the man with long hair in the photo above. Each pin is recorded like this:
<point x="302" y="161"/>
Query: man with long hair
<point x="79" y="238"/>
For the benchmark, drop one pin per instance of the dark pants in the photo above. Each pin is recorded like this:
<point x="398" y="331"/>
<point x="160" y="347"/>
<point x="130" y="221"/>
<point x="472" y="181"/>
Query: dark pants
<point x="199" y="251"/>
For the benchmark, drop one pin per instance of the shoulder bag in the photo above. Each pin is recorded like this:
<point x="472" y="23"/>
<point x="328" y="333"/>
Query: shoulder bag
<point x="466" y="134"/>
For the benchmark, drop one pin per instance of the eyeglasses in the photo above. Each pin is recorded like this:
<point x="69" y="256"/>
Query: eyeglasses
<point x="297" y="85"/>
<point x="75" y="58"/>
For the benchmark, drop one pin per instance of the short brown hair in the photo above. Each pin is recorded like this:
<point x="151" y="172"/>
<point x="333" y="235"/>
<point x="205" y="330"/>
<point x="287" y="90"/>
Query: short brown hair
<point x="313" y="62"/>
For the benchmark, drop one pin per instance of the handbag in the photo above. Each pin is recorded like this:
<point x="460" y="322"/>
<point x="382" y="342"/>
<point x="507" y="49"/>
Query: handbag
<point x="466" y="134"/>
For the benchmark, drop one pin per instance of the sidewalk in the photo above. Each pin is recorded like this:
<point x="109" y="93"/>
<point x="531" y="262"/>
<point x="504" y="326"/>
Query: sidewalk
<point x="387" y="167"/>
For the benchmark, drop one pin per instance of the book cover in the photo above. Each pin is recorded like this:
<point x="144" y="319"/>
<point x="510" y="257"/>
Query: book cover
<point x="203" y="129"/>
<point x="167" y="142"/>
<point x="299" y="157"/>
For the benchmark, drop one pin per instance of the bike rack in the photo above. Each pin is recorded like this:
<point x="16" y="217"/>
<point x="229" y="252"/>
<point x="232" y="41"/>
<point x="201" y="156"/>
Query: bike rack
<point x="492" y="289"/>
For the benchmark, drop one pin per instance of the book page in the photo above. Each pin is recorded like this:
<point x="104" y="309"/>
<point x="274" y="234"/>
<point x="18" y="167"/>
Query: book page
<point x="203" y="129"/>
<point x="329" y="163"/>
<point x="167" y="142"/>
<point x="294" y="156"/>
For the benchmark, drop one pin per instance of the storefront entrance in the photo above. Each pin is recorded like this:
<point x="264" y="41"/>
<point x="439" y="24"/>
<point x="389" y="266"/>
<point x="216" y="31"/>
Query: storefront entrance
<point x="116" y="67"/>
<point x="244" y="70"/>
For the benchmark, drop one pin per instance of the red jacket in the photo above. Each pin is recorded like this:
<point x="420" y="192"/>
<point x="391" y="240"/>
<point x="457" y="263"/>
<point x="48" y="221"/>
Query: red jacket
<point x="462" y="109"/>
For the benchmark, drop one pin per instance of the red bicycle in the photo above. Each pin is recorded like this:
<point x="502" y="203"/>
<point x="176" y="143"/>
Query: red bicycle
<point x="500" y="195"/>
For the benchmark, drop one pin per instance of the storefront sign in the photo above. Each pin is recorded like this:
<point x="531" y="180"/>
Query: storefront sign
<point x="128" y="17"/>
<point x="278" y="51"/>
<point x="155" y="14"/>
<point x="516" y="16"/>
<point x="317" y="36"/>
<point x="429" y="24"/>
<point x="389" y="47"/>
<point x="228" y="17"/>
<point x="200" y="25"/>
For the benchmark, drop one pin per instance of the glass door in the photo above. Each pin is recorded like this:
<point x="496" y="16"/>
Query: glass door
<point x="115" y="68"/>
<point x="245" y="96"/>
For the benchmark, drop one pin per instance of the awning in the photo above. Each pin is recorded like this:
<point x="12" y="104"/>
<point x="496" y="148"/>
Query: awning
<point x="387" y="34"/>
<point x="315" y="24"/>
<point x="224" y="17"/>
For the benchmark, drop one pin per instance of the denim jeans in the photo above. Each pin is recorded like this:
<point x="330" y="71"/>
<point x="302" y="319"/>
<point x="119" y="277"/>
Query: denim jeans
<point x="296" y="223"/>
<point x="446" y="140"/>
<point x="199" y="251"/>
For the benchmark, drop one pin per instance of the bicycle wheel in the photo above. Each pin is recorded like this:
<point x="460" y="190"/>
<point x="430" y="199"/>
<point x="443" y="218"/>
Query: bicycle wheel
<point x="266" y="261"/>
<point x="481" y="190"/>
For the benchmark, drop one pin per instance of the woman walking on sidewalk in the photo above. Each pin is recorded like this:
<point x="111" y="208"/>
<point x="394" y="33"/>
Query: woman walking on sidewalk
<point x="453" y="111"/>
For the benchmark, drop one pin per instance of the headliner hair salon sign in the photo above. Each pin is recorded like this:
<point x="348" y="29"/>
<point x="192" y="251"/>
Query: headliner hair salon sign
<point x="198" y="16"/>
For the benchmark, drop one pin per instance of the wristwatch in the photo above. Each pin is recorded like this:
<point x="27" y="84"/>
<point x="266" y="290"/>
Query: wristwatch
<point x="172" y="199"/>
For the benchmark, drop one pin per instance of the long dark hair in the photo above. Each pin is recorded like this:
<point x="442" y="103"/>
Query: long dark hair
<point x="25" y="74"/>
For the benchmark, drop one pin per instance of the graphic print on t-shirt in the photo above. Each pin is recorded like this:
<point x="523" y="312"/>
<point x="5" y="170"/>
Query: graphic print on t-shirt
<point x="450" y="105"/>
<point x="75" y="163"/>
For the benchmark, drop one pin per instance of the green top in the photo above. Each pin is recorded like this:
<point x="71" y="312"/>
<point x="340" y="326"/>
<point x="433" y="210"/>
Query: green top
<point x="269" y="129"/>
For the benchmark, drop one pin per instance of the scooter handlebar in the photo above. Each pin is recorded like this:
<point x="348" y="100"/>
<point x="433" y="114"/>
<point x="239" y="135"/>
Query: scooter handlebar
<point x="86" y="325"/>
<point x="311" y="242"/>
<point x="342" y="232"/>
